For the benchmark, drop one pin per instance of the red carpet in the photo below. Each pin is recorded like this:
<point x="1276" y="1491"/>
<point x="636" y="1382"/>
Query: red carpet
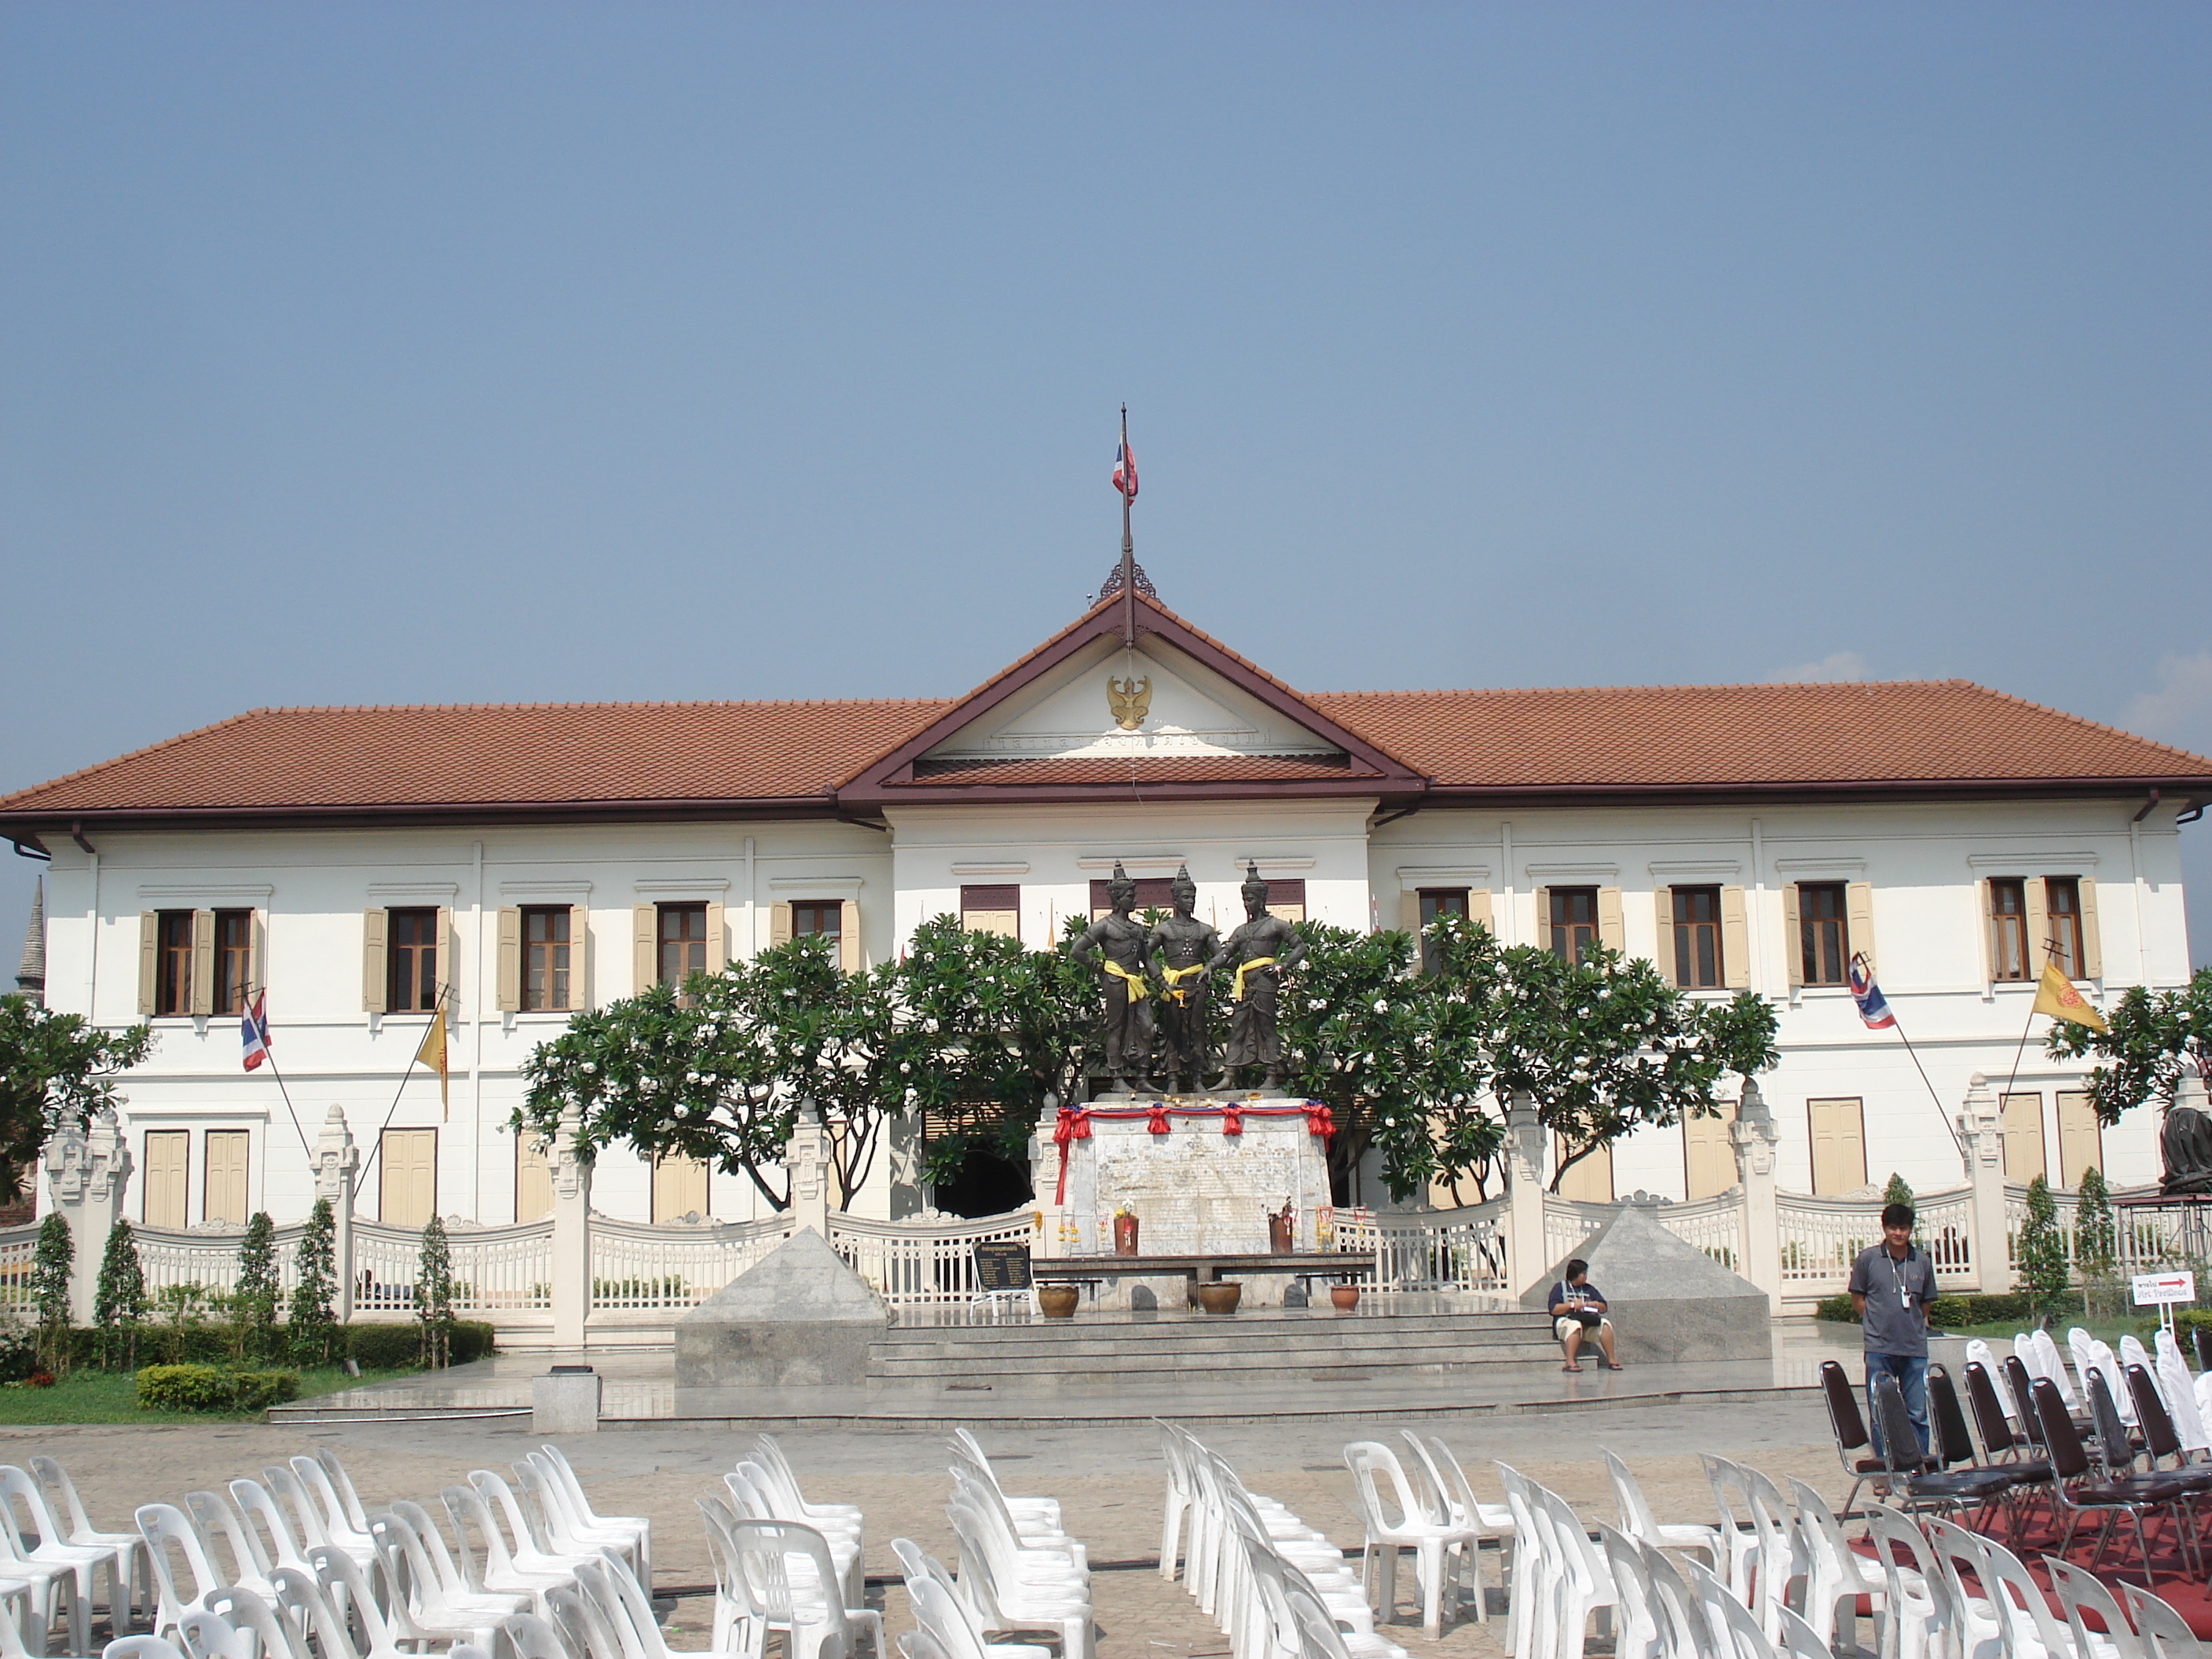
<point x="2169" y="1578"/>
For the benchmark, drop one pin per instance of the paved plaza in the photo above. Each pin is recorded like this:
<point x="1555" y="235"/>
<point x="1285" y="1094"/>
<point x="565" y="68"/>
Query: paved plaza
<point x="1108" y="1480"/>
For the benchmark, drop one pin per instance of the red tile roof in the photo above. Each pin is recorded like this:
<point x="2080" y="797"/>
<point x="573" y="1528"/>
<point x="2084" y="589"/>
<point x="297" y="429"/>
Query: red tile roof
<point x="1149" y="769"/>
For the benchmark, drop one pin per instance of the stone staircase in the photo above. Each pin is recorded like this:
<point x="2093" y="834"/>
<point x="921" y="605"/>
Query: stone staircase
<point x="1268" y="1348"/>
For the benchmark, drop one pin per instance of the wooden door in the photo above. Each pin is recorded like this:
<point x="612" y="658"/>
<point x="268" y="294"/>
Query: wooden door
<point x="679" y="1188"/>
<point x="222" y="1190"/>
<point x="2080" y="1139"/>
<point x="407" y="1191"/>
<point x="2023" y="1138"/>
<point x="1590" y="1180"/>
<point x="1838" y="1130"/>
<point x="533" y="1178"/>
<point x="168" y="1164"/>
<point x="1708" y="1156"/>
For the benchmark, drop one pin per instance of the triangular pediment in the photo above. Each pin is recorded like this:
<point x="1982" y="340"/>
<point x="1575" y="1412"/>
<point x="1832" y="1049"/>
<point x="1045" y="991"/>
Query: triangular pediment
<point x="1190" y="712"/>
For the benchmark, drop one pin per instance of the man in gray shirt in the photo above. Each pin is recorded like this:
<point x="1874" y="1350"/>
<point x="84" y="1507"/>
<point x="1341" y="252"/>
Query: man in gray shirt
<point x="1891" y="1284"/>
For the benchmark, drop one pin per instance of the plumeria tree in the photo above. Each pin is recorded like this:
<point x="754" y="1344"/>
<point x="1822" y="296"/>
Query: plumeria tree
<point x="1603" y="1046"/>
<point x="2154" y="1035"/>
<point x="53" y="1067"/>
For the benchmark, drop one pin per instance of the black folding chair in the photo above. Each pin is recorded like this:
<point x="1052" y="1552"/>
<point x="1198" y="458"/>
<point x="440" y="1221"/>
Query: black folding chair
<point x="1910" y="1482"/>
<point x="1852" y="1440"/>
<point x="2076" y="1489"/>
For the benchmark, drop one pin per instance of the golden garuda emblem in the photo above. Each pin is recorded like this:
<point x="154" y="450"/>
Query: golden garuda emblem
<point x="1131" y="700"/>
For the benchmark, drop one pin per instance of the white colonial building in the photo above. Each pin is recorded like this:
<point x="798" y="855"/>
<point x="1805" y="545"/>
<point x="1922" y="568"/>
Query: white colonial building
<point x="527" y="861"/>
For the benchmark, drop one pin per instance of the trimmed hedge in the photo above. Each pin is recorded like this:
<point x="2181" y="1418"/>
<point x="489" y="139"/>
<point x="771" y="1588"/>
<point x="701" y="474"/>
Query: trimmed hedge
<point x="1945" y="1313"/>
<point x="399" y="1346"/>
<point x="208" y="1388"/>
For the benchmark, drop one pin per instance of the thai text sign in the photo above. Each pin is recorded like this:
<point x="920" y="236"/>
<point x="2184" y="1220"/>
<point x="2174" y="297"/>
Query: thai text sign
<point x="2153" y="1289"/>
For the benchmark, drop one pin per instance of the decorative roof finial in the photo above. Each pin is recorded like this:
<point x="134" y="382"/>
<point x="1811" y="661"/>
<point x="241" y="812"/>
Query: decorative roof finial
<point x="31" y="973"/>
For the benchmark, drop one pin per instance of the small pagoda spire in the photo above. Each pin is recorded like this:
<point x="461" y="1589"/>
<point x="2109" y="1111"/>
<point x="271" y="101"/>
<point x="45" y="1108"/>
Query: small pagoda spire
<point x="31" y="973"/>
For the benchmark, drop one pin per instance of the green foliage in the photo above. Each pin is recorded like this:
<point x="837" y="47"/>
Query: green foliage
<point x="53" y="1066"/>
<point x="1740" y="1034"/>
<point x="19" y="1352"/>
<point x="1896" y="1192"/>
<point x="2095" y="1243"/>
<point x="254" y="1298"/>
<point x="1945" y="1313"/>
<point x="398" y="1347"/>
<point x="2152" y="1035"/>
<point x="119" y="1303"/>
<point x="433" y="1296"/>
<point x="2040" y="1255"/>
<point x="313" y="1322"/>
<point x="211" y="1388"/>
<point x="50" y="1290"/>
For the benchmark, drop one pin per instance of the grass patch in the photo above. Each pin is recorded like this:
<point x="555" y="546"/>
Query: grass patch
<point x="90" y="1396"/>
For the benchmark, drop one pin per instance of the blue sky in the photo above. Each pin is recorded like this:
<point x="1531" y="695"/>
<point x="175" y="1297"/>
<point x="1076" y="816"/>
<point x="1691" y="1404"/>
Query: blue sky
<point x="518" y="352"/>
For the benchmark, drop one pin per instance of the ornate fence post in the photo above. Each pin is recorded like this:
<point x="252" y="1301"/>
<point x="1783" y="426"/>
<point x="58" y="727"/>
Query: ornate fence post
<point x="1524" y="1195"/>
<point x="88" y="1170"/>
<point x="807" y="1157"/>
<point x="571" y="1175"/>
<point x="337" y="1166"/>
<point x="1981" y="1145"/>
<point x="1754" y="1136"/>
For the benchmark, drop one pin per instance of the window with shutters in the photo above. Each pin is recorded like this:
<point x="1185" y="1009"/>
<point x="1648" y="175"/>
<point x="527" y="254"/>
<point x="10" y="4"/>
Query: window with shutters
<point x="2009" y="957"/>
<point x="173" y="966"/>
<point x="533" y="1178"/>
<point x="1838" y="1146"/>
<point x="1824" y="933"/>
<point x="679" y="1188"/>
<point x="1153" y="894"/>
<point x="2062" y="903"/>
<point x="1589" y="1179"/>
<point x="2081" y="1137"/>
<point x="818" y="918"/>
<point x="2023" y="1138"/>
<point x="1286" y="898"/>
<point x="992" y="909"/>
<point x="169" y="1166"/>
<point x="234" y="961"/>
<point x="683" y="942"/>
<point x="1439" y="901"/>
<point x="411" y="962"/>
<point x="223" y="1189"/>
<point x="408" y="1188"/>
<point x="1698" y="965"/>
<point x="545" y="958"/>
<point x="1708" y="1157"/>
<point x="1573" y="921"/>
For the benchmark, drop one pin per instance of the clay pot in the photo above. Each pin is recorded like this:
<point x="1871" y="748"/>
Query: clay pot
<point x="1344" y="1297"/>
<point x="1220" y="1297"/>
<point x="1058" y="1301"/>
<point x="1125" y="1235"/>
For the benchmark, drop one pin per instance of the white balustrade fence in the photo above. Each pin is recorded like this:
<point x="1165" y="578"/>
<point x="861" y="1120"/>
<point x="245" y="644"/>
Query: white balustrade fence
<point x="638" y="1267"/>
<point x="18" y="1247"/>
<point x="1822" y="1237"/>
<point x="2148" y="1234"/>
<point x="1567" y="1221"/>
<point x="1461" y="1249"/>
<point x="187" y="1269"/>
<point x="912" y="1263"/>
<point x="1714" y="1226"/>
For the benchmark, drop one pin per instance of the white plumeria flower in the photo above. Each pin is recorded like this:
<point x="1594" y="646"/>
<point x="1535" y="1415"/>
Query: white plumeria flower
<point x="1380" y="1006"/>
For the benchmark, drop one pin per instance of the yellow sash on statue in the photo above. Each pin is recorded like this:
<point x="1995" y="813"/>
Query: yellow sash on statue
<point x="1136" y="981"/>
<point x="1175" y="977"/>
<point x="1245" y="968"/>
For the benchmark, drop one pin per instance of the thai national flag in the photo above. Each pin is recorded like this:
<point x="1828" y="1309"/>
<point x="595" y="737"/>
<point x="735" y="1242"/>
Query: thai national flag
<point x="1874" y="1007"/>
<point x="254" y="1028"/>
<point x="1124" y="469"/>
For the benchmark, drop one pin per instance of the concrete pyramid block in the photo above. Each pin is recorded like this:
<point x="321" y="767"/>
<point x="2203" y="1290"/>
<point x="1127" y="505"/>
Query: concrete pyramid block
<point x="800" y="1317"/>
<point x="1669" y="1301"/>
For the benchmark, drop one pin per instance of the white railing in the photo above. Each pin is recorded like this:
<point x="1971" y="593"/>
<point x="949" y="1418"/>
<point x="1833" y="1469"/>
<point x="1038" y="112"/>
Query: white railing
<point x="199" y="1265"/>
<point x="639" y="1267"/>
<point x="1822" y="1237"/>
<point x="1713" y="1224"/>
<point x="1461" y="1249"/>
<point x="18" y="1248"/>
<point x="1567" y="1221"/>
<point x="912" y="1263"/>
<point x="2146" y="1236"/>
<point x="387" y="1260"/>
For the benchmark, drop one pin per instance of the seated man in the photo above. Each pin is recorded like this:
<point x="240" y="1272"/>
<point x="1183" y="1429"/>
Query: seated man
<point x="1577" y="1306"/>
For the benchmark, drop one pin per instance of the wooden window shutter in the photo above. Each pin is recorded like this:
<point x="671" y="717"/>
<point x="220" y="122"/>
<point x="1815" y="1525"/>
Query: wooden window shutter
<point x="375" y="924"/>
<point x="149" y="958"/>
<point x="1612" y="932"/>
<point x="1858" y="909"/>
<point x="2092" y="947"/>
<point x="1793" y="936"/>
<point x="257" y="960"/>
<point x="779" y="922"/>
<point x="644" y="946"/>
<point x="203" y="964"/>
<point x="849" y="936"/>
<point x="2038" y="926"/>
<point x="449" y="978"/>
<point x="1409" y="919"/>
<point x="718" y="955"/>
<point x="1540" y="899"/>
<point x="1735" y="941"/>
<point x="1988" y="925"/>
<point x="510" y="959"/>
<point x="1479" y="909"/>
<point x="1663" y="902"/>
<point x="580" y="955"/>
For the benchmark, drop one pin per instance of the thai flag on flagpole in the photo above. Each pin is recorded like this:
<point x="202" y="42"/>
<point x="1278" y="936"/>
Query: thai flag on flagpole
<point x="1874" y="1007"/>
<point x="254" y="1028"/>
<point x="1125" y="469"/>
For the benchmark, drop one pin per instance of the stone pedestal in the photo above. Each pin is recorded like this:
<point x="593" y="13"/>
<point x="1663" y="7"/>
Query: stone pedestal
<point x="799" y="1319"/>
<point x="1669" y="1301"/>
<point x="1193" y="1189"/>
<point x="565" y="1403"/>
<point x="1753" y="1135"/>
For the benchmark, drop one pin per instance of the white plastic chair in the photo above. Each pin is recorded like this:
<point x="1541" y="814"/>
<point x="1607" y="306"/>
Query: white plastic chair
<point x="242" y="1610"/>
<point x="452" y="1580"/>
<point x="1276" y="1627"/>
<point x="757" y="1495"/>
<point x="52" y="1551"/>
<point x="349" y="1502"/>
<point x="338" y="1531"/>
<point x="580" y="1502"/>
<point x="1919" y="1614"/>
<point x="166" y="1527"/>
<point x="2081" y="1595"/>
<point x="967" y="1446"/>
<point x="1456" y="1504"/>
<point x="945" y="1622"/>
<point x="567" y="1531"/>
<point x="426" y="1611"/>
<point x="806" y="1604"/>
<point x="529" y="1636"/>
<point x="499" y="1574"/>
<point x="1730" y="1629"/>
<point x="533" y="1552"/>
<point x="304" y="1605"/>
<point x="256" y="1503"/>
<point x="226" y="1530"/>
<point x="1021" y="1592"/>
<point x="1637" y="1632"/>
<point x="1637" y="1522"/>
<point x="1836" y="1574"/>
<point x="1430" y="1538"/>
<point x="983" y="1617"/>
<point x="130" y="1547"/>
<point x="340" y="1577"/>
<point x="1741" y="1539"/>
<point x="1586" y="1586"/>
<point x="141" y="1647"/>
<point x="584" y="1625"/>
<point x="610" y="1581"/>
<point x="1177" y="1504"/>
<point x="731" y="1628"/>
<point x="2164" y="1633"/>
<point x="205" y="1635"/>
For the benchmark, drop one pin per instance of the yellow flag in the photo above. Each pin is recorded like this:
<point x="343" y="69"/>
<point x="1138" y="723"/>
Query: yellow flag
<point x="2055" y="995"/>
<point x="433" y="1051"/>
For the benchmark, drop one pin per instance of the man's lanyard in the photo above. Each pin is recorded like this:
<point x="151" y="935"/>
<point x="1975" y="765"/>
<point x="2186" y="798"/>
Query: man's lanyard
<point x="1897" y="1276"/>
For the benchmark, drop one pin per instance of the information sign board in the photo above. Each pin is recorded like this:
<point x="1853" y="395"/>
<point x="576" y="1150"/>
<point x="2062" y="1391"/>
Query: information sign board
<point x="2156" y="1289"/>
<point x="1002" y="1267"/>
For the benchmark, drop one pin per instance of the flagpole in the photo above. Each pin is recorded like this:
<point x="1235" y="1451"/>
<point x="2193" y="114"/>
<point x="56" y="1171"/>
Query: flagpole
<point x="1128" y="547"/>
<point x="2051" y="953"/>
<point x="269" y="1054"/>
<point x="1897" y="1026"/>
<point x="415" y="1055"/>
